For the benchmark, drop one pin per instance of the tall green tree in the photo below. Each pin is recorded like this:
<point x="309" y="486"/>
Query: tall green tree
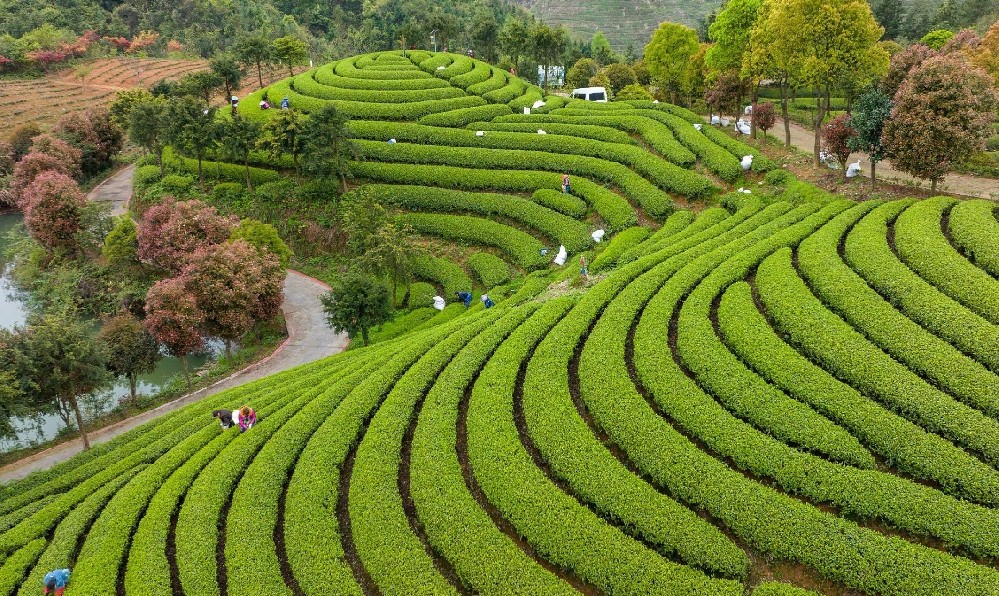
<point x="58" y="360"/>
<point x="290" y="51"/>
<point x="515" y="40"/>
<point x="203" y="85"/>
<point x="237" y="137"/>
<point x="355" y="304"/>
<point x="326" y="145"/>
<point x="872" y="110"/>
<point x="600" y="49"/>
<point x="485" y="36"/>
<point x="255" y="50"/>
<point x="149" y="127"/>
<point x="282" y="135"/>
<point x="890" y="14"/>
<point x="191" y="129"/>
<point x="547" y="44"/>
<point x="730" y="33"/>
<point x="229" y="71"/>
<point x="668" y="56"/>
<point x="825" y="44"/>
<point x="392" y="250"/>
<point x="131" y="349"/>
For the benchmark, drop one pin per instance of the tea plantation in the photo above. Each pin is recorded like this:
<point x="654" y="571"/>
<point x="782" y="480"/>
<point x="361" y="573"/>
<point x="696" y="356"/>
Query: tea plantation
<point x="787" y="392"/>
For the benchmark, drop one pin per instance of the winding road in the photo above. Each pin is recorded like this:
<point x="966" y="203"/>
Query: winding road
<point x="308" y="339"/>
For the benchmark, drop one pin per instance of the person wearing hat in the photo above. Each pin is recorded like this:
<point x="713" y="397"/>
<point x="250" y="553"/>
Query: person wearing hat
<point x="55" y="581"/>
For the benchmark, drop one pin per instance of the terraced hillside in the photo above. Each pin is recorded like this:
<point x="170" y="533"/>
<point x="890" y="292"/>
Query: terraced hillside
<point x="802" y="392"/>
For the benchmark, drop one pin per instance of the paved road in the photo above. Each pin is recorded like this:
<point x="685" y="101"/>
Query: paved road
<point x="309" y="339"/>
<point x="115" y="191"/>
<point x="959" y="184"/>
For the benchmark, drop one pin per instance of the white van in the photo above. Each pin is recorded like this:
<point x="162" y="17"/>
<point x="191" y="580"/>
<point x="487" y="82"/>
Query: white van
<point x="598" y="94"/>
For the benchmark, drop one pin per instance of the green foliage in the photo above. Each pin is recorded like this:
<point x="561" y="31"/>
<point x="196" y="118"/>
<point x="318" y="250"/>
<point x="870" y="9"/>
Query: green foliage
<point x="562" y="202"/>
<point x="633" y="92"/>
<point x="326" y="146"/>
<point x="290" y="51"/>
<point x="490" y="269"/>
<point x="973" y="227"/>
<point x="937" y="38"/>
<point x="131" y="350"/>
<point x="620" y="243"/>
<point x="523" y="249"/>
<point x="668" y="54"/>
<point x="121" y="245"/>
<point x="264" y="237"/>
<point x="356" y="303"/>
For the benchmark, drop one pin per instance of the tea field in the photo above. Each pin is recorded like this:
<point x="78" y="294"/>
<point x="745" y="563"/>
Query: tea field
<point x="780" y="394"/>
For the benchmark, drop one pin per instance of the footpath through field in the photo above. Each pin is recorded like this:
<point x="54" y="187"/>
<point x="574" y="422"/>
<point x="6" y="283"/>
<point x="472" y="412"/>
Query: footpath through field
<point x="958" y="184"/>
<point x="308" y="339"/>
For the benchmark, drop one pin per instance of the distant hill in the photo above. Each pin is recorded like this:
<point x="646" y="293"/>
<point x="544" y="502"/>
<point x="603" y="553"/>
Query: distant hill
<point x="624" y="22"/>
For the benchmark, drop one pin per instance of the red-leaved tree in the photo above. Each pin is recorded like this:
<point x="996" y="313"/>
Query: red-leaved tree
<point x="941" y="115"/>
<point x="53" y="207"/>
<point x="764" y="117"/>
<point x="68" y="155"/>
<point x="902" y="64"/>
<point x="30" y="167"/>
<point x="171" y="232"/>
<point x="836" y="137"/>
<point x="173" y="318"/>
<point x="235" y="285"/>
<point x="93" y="133"/>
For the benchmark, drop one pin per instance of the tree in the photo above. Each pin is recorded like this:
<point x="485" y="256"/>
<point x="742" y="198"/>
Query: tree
<point x="237" y="137"/>
<point x="173" y="319"/>
<point x="836" y="136"/>
<point x="355" y="303"/>
<point x="764" y="117"/>
<point x="889" y="14"/>
<point x="131" y="350"/>
<point x="829" y="43"/>
<point x="667" y="56"/>
<point x="264" y="237"/>
<point x="94" y="134"/>
<point x="965" y="41"/>
<point x="515" y="39"/>
<point x="228" y="70"/>
<point x="446" y="26"/>
<point x="21" y="139"/>
<point x="255" y="50"/>
<point x="870" y="113"/>
<point x="362" y="218"/>
<point x="121" y="245"/>
<point x="53" y="211"/>
<point x="202" y="84"/>
<point x="634" y="92"/>
<point x="290" y="51"/>
<point x="191" y="129"/>
<point x="13" y="402"/>
<point x="392" y="251"/>
<point x="282" y="134"/>
<point x="149" y="127"/>
<point x="902" y="64"/>
<point x="987" y="56"/>
<point x="69" y="156"/>
<point x="326" y="145"/>
<point x="726" y="92"/>
<point x="731" y="34"/>
<point x="124" y="102"/>
<point x="600" y="49"/>
<point x="57" y="361"/>
<point x="547" y="44"/>
<point x="941" y="115"/>
<point x="581" y="72"/>
<point x="937" y="38"/>
<point x="235" y="286"/>
<point x="485" y="35"/>
<point x="620" y="76"/>
<point x="171" y="232"/>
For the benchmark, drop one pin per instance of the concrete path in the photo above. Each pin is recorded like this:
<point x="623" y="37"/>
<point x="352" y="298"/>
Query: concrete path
<point x="115" y="191"/>
<point x="308" y="339"/>
<point x="958" y="184"/>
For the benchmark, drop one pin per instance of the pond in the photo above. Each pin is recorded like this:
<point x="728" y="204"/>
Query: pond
<point x="44" y="427"/>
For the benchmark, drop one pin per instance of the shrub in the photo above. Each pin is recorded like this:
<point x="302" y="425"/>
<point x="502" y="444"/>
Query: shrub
<point x="176" y="184"/>
<point x="560" y="201"/>
<point x="620" y="243"/>
<point x="490" y="269"/>
<point x="145" y="176"/>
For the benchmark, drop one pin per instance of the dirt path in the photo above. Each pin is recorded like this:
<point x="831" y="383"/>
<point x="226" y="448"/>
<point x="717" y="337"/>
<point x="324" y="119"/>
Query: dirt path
<point x="958" y="184"/>
<point x="308" y="339"/>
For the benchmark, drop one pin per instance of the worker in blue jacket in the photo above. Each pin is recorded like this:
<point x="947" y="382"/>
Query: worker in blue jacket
<point x="465" y="297"/>
<point x="56" y="581"/>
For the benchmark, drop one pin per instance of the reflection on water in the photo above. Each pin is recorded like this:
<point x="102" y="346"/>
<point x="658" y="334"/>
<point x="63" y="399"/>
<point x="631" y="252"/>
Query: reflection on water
<point x="44" y="427"/>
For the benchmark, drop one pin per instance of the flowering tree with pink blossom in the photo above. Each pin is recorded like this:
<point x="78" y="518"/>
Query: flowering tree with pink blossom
<point x="173" y="318"/>
<point x="53" y="208"/>
<point x="171" y="232"/>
